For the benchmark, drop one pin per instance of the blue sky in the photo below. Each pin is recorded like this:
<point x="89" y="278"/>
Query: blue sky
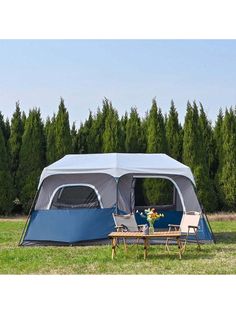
<point x="128" y="72"/>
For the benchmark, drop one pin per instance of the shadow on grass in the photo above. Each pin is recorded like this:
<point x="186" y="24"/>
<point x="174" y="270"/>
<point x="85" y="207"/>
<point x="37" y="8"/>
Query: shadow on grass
<point x="225" y="237"/>
<point x="154" y="255"/>
<point x="186" y="256"/>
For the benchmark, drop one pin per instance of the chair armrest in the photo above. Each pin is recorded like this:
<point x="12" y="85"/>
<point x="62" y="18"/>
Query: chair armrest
<point x="140" y="227"/>
<point x="119" y="228"/>
<point x="194" y="227"/>
<point x="175" y="227"/>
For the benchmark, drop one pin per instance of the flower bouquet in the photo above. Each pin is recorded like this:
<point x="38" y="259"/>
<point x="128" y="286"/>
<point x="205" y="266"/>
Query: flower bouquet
<point x="152" y="216"/>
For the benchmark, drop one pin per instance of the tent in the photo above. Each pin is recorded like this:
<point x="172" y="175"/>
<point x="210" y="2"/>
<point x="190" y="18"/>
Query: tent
<point x="77" y="195"/>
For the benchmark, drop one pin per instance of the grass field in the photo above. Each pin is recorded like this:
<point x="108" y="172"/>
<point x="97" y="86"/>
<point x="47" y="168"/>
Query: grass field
<point x="212" y="259"/>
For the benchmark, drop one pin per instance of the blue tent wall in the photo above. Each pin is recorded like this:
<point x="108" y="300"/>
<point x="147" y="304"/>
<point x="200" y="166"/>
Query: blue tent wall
<point x="69" y="225"/>
<point x="170" y="217"/>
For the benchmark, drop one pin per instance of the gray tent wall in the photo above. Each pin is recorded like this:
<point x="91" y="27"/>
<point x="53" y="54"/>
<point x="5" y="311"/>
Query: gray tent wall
<point x="104" y="184"/>
<point x="106" y="187"/>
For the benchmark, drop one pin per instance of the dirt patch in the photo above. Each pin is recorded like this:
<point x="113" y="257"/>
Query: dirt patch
<point x="212" y="217"/>
<point x="14" y="218"/>
<point x="221" y="216"/>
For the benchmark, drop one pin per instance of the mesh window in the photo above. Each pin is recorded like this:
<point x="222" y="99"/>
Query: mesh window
<point x="79" y="196"/>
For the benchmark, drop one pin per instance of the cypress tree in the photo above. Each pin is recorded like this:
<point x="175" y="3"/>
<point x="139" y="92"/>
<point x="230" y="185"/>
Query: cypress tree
<point x="23" y="119"/>
<point x="110" y="135"/>
<point x="95" y="130"/>
<point x="82" y="143"/>
<point x="218" y="138"/>
<point x="74" y="138"/>
<point x="6" y="184"/>
<point x="50" y="134"/>
<point x="83" y="136"/>
<point x="208" y="141"/>
<point x="8" y="129"/>
<point x="156" y="191"/>
<point x="194" y="155"/>
<point x="156" y="136"/>
<point x="192" y="138"/>
<point x="165" y="118"/>
<point x="227" y="174"/>
<point x="63" y="136"/>
<point x="98" y="126"/>
<point x="174" y="133"/>
<point x="152" y="135"/>
<point x="47" y="125"/>
<point x="15" y="142"/>
<point x="3" y="127"/>
<point x="134" y="142"/>
<point x="106" y="106"/>
<point x="122" y="133"/>
<point x="144" y="124"/>
<point x="86" y="134"/>
<point x="32" y="157"/>
<point x="218" y="135"/>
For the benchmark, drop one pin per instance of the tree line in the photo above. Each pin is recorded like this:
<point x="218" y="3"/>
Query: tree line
<point x="28" y="144"/>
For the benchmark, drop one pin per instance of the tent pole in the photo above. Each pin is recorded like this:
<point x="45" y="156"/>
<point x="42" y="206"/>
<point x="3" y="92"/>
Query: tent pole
<point x="117" y="181"/>
<point x="132" y="195"/>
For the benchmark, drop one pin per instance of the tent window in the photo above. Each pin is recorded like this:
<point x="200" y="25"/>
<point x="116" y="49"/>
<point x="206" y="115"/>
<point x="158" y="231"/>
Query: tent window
<point x="79" y="196"/>
<point x="154" y="192"/>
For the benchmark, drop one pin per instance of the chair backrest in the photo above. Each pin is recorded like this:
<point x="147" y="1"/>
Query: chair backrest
<point x="128" y="221"/>
<point x="189" y="219"/>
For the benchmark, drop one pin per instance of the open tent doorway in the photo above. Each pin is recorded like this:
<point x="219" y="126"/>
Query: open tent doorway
<point x="159" y="193"/>
<point x="154" y="192"/>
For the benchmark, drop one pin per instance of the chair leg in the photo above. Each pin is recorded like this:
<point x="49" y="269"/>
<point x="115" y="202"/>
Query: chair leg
<point x="125" y="245"/>
<point x="114" y="243"/>
<point x="184" y="244"/>
<point x="146" y="244"/>
<point x="198" y="243"/>
<point x="167" y="246"/>
<point x="179" y="247"/>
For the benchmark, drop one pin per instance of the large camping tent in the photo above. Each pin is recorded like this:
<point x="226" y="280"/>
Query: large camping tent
<point x="77" y="195"/>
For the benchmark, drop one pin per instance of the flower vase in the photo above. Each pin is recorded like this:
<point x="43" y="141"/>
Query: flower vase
<point x="151" y="228"/>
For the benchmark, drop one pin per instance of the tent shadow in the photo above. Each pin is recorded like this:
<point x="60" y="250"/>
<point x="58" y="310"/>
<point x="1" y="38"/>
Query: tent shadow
<point x="225" y="237"/>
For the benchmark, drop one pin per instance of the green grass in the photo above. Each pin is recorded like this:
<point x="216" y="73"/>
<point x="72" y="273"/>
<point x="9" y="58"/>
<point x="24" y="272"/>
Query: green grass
<point x="212" y="259"/>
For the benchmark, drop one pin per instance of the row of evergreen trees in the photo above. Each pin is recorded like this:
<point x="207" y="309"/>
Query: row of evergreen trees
<point x="27" y="145"/>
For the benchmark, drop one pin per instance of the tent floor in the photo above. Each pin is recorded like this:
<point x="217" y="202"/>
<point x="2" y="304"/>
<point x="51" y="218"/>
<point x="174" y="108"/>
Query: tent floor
<point x="100" y="242"/>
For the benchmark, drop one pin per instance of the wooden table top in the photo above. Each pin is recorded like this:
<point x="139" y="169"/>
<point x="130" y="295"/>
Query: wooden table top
<point x="157" y="234"/>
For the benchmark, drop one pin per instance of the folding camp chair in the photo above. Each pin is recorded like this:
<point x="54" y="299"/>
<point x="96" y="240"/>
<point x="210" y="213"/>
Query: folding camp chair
<point x="188" y="226"/>
<point x="125" y="223"/>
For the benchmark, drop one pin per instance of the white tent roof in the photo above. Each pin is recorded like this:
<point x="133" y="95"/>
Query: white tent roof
<point x="117" y="165"/>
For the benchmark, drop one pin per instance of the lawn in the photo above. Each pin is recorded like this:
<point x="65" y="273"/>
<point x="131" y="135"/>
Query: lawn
<point x="212" y="259"/>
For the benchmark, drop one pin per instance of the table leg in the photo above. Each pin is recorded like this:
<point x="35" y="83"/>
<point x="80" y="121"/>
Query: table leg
<point x="167" y="246"/>
<point x="145" y="247"/>
<point x="114" y="243"/>
<point x="179" y="247"/>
